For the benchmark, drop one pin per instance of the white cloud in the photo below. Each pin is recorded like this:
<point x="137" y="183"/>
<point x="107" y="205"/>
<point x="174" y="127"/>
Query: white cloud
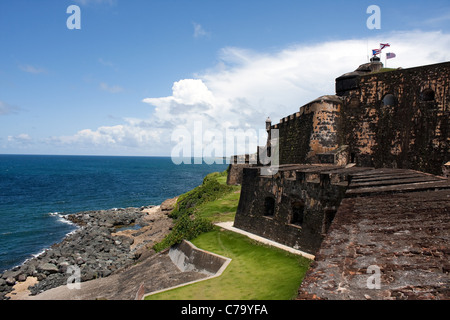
<point x="439" y="19"/>
<point x="199" y="32"/>
<point x="246" y="87"/>
<point x="134" y="135"/>
<point x="32" y="69"/>
<point x="6" y="108"/>
<point x="21" y="138"/>
<point x="110" y="89"/>
<point x="106" y="63"/>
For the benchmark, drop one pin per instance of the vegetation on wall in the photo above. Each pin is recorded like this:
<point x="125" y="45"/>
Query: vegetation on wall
<point x="189" y="222"/>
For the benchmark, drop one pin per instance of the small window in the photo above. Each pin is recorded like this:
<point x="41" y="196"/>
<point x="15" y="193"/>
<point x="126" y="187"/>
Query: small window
<point x="427" y="95"/>
<point x="297" y="213"/>
<point x="269" y="207"/>
<point x="390" y="100"/>
<point x="328" y="219"/>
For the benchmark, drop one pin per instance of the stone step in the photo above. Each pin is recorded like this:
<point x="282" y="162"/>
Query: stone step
<point x="392" y="181"/>
<point x="397" y="188"/>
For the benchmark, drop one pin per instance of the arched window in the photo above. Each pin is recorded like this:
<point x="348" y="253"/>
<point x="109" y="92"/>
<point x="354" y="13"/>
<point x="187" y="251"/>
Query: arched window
<point x="390" y="100"/>
<point x="269" y="207"/>
<point x="298" y="209"/>
<point x="427" y="95"/>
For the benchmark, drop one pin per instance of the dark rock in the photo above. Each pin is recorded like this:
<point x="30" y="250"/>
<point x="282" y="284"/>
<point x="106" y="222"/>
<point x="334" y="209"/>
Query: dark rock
<point x="41" y="276"/>
<point x="92" y="248"/>
<point x="10" y="281"/>
<point x="48" y="267"/>
<point x="87" y="274"/>
<point x="11" y="274"/>
<point x="22" y="277"/>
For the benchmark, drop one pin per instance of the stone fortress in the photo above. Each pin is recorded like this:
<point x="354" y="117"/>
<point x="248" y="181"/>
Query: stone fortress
<point x="362" y="184"/>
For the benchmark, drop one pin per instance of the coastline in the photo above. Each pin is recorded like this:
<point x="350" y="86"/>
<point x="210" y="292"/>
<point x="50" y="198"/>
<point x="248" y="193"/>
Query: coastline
<point x="104" y="243"/>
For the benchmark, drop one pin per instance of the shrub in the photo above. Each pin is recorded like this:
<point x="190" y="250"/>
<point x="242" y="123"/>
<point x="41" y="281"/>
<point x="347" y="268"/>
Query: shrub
<point x="209" y="190"/>
<point x="187" y="224"/>
<point x="187" y="228"/>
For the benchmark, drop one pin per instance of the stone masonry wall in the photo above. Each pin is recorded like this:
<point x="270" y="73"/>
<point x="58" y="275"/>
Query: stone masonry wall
<point x="303" y="202"/>
<point x="399" y="119"/>
<point x="309" y="132"/>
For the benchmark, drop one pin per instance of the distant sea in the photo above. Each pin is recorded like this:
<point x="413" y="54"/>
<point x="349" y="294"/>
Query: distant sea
<point x="36" y="191"/>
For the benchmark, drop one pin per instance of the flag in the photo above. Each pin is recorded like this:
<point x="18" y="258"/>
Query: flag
<point x="384" y="45"/>
<point x="376" y="51"/>
<point x="390" y="55"/>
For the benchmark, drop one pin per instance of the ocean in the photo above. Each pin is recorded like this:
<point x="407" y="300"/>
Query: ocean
<point x="36" y="191"/>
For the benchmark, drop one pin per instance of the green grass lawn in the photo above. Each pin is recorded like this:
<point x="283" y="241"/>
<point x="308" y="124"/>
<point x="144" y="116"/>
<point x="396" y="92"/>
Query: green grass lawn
<point x="256" y="272"/>
<point x="222" y="209"/>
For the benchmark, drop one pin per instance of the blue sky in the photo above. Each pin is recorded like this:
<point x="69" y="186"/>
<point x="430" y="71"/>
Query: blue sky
<point x="137" y="70"/>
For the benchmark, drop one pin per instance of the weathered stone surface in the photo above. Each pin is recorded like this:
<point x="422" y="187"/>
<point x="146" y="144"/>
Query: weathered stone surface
<point x="305" y="199"/>
<point x="10" y="281"/>
<point x="309" y="132"/>
<point x="399" y="119"/>
<point x="404" y="232"/>
<point x="169" y="204"/>
<point x="48" y="267"/>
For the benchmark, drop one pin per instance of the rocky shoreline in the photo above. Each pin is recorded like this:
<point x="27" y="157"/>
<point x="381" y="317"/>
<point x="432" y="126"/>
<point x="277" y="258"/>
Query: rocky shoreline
<point x="105" y="242"/>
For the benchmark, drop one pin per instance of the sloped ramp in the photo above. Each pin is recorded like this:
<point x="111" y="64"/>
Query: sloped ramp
<point x="189" y="258"/>
<point x="181" y="265"/>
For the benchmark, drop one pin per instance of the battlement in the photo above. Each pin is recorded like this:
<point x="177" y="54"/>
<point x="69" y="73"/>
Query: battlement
<point x="365" y="162"/>
<point x="386" y="118"/>
<point x="309" y="132"/>
<point x="399" y="118"/>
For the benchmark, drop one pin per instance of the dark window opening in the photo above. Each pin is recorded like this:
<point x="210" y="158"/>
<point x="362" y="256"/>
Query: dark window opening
<point x="427" y="95"/>
<point x="352" y="157"/>
<point x="269" y="207"/>
<point x="297" y="213"/>
<point x="389" y="100"/>
<point x="328" y="219"/>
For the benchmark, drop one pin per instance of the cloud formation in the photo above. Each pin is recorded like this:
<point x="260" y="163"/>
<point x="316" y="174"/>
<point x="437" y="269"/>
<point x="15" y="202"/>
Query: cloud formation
<point x="31" y="69"/>
<point x="199" y="32"/>
<point x="246" y="87"/>
<point x="22" y="138"/>
<point x="111" y="89"/>
<point x="6" y="109"/>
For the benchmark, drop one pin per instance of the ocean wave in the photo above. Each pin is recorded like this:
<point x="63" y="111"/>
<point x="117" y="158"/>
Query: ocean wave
<point x="61" y="218"/>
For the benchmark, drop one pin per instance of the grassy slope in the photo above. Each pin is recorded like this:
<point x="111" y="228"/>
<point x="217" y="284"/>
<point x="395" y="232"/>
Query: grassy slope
<point x="256" y="271"/>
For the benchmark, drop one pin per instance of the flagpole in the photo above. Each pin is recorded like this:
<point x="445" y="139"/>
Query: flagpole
<point x="368" y="56"/>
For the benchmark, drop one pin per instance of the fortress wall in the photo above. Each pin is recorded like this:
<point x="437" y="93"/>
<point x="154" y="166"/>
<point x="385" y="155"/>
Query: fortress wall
<point x="399" y="119"/>
<point x="309" y="132"/>
<point x="301" y="190"/>
<point x="237" y="165"/>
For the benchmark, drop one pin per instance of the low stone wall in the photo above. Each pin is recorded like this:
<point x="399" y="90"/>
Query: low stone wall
<point x="295" y="207"/>
<point x="235" y="171"/>
<point x="188" y="257"/>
